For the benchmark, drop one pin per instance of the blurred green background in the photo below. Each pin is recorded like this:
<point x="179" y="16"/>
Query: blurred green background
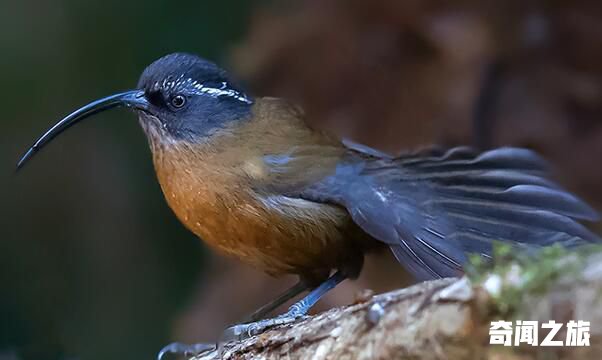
<point x="93" y="265"/>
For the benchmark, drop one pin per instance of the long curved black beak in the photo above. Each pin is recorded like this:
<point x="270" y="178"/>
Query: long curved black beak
<point x="133" y="98"/>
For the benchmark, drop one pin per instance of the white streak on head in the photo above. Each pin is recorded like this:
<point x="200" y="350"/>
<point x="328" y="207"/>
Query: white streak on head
<point x="224" y="90"/>
<point x="193" y="87"/>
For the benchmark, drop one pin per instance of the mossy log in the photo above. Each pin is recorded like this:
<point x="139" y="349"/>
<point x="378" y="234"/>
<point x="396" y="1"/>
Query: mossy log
<point x="449" y="318"/>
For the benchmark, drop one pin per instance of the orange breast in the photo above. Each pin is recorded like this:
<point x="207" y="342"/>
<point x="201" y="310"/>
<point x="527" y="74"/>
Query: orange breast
<point x="274" y="233"/>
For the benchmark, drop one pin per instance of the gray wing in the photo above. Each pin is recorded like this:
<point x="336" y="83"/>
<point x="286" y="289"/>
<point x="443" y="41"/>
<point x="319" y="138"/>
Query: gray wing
<point x="434" y="208"/>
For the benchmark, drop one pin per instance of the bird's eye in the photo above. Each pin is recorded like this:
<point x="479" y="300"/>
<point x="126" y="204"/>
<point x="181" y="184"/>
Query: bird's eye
<point x="178" y="101"/>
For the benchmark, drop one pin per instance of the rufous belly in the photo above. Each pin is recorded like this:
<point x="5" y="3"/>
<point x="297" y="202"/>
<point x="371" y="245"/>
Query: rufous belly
<point x="277" y="234"/>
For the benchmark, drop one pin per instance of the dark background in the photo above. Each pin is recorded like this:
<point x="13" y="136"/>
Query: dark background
<point x="93" y="265"/>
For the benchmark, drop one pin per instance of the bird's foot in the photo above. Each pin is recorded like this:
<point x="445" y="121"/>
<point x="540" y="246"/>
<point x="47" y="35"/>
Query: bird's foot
<point x="185" y="350"/>
<point x="233" y="333"/>
<point x="296" y="311"/>
<point x="244" y="331"/>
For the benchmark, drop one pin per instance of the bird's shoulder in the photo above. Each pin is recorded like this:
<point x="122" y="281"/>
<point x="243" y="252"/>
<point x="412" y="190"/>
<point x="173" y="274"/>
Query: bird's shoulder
<point x="278" y="110"/>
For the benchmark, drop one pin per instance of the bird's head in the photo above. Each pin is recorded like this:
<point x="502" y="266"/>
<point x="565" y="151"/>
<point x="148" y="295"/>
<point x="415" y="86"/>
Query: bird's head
<point x="180" y="97"/>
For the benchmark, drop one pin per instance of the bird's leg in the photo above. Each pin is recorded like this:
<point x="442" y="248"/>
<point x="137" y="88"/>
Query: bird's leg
<point x="290" y="293"/>
<point x="185" y="350"/>
<point x="297" y="310"/>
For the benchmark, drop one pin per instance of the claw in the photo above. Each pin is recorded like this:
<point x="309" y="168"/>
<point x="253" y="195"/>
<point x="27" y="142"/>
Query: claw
<point x="186" y="350"/>
<point x="244" y="331"/>
<point x="297" y="310"/>
<point x="233" y="333"/>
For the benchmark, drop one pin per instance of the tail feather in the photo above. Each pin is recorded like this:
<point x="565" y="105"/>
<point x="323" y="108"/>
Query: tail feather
<point x="518" y="198"/>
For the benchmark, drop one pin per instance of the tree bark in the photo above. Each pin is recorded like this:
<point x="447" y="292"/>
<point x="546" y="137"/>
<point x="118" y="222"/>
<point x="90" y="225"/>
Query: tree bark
<point x="447" y="318"/>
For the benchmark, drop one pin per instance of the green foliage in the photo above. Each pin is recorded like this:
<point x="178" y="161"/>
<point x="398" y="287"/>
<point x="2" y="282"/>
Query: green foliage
<point x="513" y="271"/>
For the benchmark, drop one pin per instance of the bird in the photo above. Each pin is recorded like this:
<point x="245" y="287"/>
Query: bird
<point x="252" y="179"/>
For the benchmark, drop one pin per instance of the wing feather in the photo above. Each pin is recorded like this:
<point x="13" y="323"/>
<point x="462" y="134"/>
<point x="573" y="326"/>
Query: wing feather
<point x="433" y="207"/>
